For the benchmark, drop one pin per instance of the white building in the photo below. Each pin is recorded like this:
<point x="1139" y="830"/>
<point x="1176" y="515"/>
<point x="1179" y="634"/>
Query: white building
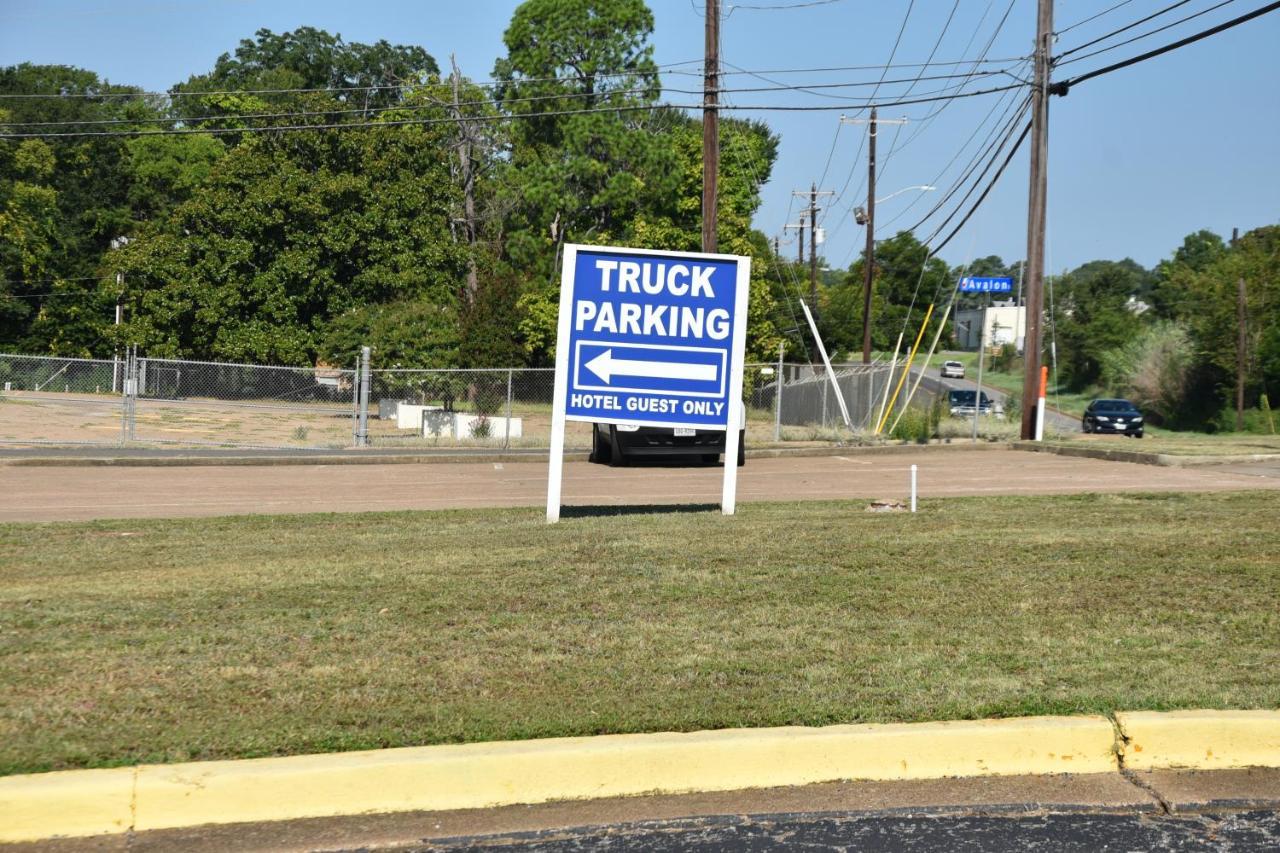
<point x="1003" y="323"/>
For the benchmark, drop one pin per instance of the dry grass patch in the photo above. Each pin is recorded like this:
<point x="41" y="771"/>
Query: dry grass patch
<point x="234" y="637"/>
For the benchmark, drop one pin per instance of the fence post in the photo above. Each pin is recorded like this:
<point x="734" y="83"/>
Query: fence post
<point x="506" y="435"/>
<point x="362" y="436"/>
<point x="777" y="396"/>
<point x="124" y="398"/>
<point x="355" y="403"/>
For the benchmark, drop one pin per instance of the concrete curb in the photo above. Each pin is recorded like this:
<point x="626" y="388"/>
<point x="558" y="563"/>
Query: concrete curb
<point x="433" y="778"/>
<point x="1165" y="460"/>
<point x="95" y="802"/>
<point x="1200" y="740"/>
<point x="355" y="457"/>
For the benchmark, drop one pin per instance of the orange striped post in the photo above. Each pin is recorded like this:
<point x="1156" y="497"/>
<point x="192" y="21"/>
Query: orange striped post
<point x="1044" y="384"/>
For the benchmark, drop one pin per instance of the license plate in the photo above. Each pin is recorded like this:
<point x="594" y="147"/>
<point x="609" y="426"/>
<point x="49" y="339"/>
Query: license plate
<point x="685" y="432"/>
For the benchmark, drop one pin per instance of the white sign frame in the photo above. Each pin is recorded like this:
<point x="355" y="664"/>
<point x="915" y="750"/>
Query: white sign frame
<point x="737" y="354"/>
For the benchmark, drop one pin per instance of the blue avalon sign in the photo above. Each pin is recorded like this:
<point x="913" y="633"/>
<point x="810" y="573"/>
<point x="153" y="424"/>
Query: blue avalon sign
<point x="650" y="338"/>
<point x="986" y="284"/>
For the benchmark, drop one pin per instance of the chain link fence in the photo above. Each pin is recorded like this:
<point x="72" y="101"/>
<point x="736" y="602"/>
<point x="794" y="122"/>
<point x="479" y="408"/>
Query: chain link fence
<point x="159" y="402"/>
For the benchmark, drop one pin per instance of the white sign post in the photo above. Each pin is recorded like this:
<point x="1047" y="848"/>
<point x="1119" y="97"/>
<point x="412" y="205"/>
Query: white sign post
<point x="650" y="338"/>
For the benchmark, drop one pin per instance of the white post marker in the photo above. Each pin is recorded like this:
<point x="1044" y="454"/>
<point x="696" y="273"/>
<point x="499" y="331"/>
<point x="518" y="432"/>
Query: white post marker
<point x="913" y="488"/>
<point x="654" y="339"/>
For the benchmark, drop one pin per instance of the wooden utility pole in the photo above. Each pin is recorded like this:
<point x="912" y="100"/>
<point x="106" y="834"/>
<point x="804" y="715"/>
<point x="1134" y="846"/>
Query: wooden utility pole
<point x="813" y="246"/>
<point x="710" y="126"/>
<point x="1241" y="341"/>
<point x="1036" y="204"/>
<point x="869" y="262"/>
<point x="812" y="213"/>
<point x="869" y="257"/>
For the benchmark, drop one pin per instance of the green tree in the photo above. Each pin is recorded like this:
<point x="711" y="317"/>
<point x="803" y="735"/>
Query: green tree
<point x="1209" y="298"/>
<point x="289" y="233"/>
<point x="1094" y="314"/>
<point x="582" y="163"/>
<point x="62" y="201"/>
<point x="1198" y="252"/>
<point x="905" y="282"/>
<point x="363" y="78"/>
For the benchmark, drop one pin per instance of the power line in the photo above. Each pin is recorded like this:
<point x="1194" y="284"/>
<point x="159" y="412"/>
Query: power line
<point x="778" y="87"/>
<point x="622" y="108"/>
<point x="928" y="119"/>
<point x="1125" y="28"/>
<point x="1141" y="36"/>
<point x="1061" y="87"/>
<point x="1008" y="103"/>
<point x="994" y="179"/>
<point x="1093" y="17"/>
<point x="665" y="69"/>
<point x="862" y="140"/>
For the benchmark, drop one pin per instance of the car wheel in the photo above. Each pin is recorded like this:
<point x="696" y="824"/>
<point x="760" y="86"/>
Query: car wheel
<point x="1138" y="434"/>
<point x="742" y="448"/>
<point x="1085" y="426"/>
<point x="601" y="452"/>
<point x="616" y="457"/>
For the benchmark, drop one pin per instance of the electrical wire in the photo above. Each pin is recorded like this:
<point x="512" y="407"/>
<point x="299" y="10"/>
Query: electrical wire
<point x="1061" y="87"/>
<point x="1141" y="36"/>
<point x="1092" y="17"/>
<point x="932" y="116"/>
<point x="1009" y="101"/>
<point x="862" y="140"/>
<point x="490" y="119"/>
<point x="1125" y="28"/>
<point x="438" y="104"/>
<point x="994" y="179"/>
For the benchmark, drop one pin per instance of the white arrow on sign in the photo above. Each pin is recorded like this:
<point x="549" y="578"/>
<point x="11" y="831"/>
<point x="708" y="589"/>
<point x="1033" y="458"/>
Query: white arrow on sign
<point x="605" y="365"/>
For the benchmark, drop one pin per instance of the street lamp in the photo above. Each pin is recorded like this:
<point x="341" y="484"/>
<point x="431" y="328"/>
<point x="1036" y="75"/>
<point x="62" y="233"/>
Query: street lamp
<point x="868" y="218"/>
<point x="860" y="213"/>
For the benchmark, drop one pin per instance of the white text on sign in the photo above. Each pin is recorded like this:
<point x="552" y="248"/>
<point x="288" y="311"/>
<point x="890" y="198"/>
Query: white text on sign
<point x="670" y="321"/>
<point x="649" y="405"/>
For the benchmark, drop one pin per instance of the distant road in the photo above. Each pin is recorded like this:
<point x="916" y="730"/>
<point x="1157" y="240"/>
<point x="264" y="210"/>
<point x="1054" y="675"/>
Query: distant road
<point x="1052" y="418"/>
<point x="77" y="493"/>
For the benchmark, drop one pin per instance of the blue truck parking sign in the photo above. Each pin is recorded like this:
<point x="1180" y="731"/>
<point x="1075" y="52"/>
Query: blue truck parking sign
<point x="649" y="338"/>
<point x="654" y="339"/>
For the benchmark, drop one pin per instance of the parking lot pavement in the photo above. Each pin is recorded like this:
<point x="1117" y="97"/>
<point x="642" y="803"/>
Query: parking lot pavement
<point x="83" y="493"/>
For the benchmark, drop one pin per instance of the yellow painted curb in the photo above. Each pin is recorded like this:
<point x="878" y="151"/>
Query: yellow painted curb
<point x="76" y="802"/>
<point x="490" y="774"/>
<point x="1203" y="740"/>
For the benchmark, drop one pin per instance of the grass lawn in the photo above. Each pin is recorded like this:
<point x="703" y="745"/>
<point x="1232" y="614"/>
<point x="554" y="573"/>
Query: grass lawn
<point x="214" y="638"/>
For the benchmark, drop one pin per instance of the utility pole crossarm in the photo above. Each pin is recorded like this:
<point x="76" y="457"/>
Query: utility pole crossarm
<point x="847" y="120"/>
<point x="812" y="213"/>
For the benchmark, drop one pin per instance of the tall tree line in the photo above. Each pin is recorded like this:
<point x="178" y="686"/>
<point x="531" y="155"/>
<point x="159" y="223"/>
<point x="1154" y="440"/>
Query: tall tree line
<point x="435" y="241"/>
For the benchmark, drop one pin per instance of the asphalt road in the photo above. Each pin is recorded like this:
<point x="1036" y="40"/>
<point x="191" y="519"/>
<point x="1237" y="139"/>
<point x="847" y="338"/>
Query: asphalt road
<point x="1052" y="419"/>
<point x="73" y="493"/>
<point x="1087" y="833"/>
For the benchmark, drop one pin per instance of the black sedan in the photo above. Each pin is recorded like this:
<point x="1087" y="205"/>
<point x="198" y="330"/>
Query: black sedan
<point x="619" y="444"/>
<point x="1118" y="416"/>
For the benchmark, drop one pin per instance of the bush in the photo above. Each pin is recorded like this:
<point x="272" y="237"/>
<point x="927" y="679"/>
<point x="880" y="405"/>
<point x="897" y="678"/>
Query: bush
<point x="1013" y="404"/>
<point x="1007" y="360"/>
<point x="1153" y="369"/>
<point x="1256" y="421"/>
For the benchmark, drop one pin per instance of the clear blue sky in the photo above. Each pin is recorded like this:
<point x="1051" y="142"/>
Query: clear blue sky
<point x="1138" y="158"/>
